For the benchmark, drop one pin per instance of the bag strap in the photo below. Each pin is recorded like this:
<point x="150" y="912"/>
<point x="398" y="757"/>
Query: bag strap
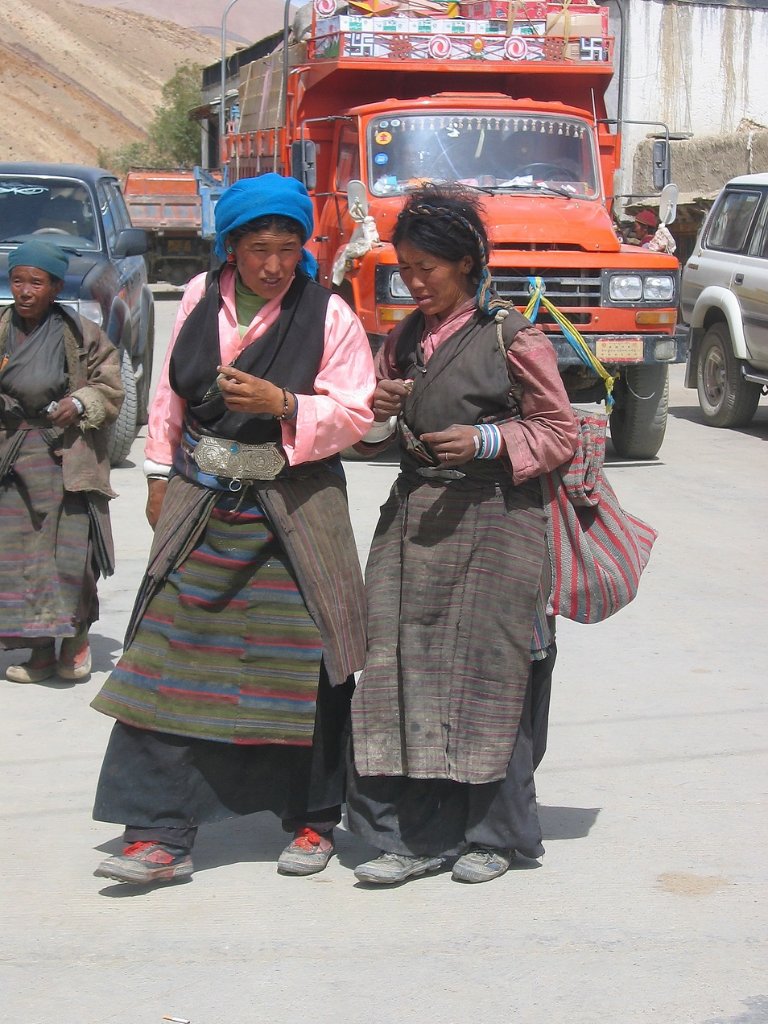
<point x="508" y="323"/>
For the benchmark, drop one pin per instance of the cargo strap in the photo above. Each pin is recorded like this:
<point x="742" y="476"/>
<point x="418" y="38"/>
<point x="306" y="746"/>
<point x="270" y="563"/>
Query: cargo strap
<point x="571" y="335"/>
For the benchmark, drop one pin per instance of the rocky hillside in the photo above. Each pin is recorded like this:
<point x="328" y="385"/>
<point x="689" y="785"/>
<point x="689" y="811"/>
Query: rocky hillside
<point x="246" y="21"/>
<point x="78" y="79"/>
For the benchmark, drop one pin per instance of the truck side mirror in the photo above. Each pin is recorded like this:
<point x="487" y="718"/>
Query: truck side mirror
<point x="303" y="162"/>
<point x="661" y="163"/>
<point x="357" y="201"/>
<point x="668" y="203"/>
<point x="131" y="242"/>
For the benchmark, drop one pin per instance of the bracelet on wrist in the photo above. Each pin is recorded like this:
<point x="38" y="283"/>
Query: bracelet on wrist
<point x="286" y="414"/>
<point x="490" y="441"/>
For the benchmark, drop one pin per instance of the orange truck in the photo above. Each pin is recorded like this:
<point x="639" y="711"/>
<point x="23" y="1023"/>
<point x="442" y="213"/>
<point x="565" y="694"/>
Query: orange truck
<point x="367" y="106"/>
<point x="166" y="204"/>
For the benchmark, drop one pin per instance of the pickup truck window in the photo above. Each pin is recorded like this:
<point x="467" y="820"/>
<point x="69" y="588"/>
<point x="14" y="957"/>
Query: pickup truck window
<point x="491" y="151"/>
<point x="107" y="214"/>
<point x="732" y="220"/>
<point x="47" y="207"/>
<point x="120" y="213"/>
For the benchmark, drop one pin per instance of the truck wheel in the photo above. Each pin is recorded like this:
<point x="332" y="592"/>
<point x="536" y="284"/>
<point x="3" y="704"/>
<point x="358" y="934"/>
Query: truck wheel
<point x="123" y="430"/>
<point x="145" y="382"/>
<point x="639" y="418"/>
<point x="726" y="399"/>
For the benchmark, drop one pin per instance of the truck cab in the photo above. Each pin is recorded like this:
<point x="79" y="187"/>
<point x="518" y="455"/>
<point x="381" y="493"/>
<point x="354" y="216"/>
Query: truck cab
<point x="524" y="124"/>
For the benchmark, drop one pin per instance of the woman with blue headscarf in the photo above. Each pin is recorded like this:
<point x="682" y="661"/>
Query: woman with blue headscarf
<point x="449" y="715"/>
<point x="232" y="694"/>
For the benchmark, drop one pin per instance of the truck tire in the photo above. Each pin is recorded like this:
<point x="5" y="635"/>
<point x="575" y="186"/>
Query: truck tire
<point x="639" y="418"/>
<point x="123" y="431"/>
<point x="725" y="398"/>
<point x="145" y="383"/>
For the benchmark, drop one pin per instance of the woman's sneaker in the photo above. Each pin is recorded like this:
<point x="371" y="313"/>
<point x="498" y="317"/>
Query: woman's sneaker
<point x="391" y="868"/>
<point x="481" y="864"/>
<point x="309" y="853"/>
<point x="146" y="862"/>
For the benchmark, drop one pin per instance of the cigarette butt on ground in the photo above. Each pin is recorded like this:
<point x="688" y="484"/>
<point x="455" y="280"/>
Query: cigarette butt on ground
<point x="177" y="1020"/>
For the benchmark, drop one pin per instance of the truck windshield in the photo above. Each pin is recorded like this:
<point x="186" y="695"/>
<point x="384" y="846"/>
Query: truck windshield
<point x="59" y="210"/>
<point x="494" y="152"/>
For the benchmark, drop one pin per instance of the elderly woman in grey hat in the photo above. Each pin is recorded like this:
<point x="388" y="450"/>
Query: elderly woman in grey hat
<point x="59" y="391"/>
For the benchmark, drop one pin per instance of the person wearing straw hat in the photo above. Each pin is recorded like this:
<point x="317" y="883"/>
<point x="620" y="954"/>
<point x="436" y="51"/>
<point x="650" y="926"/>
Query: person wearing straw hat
<point x="60" y="390"/>
<point x="232" y="694"/>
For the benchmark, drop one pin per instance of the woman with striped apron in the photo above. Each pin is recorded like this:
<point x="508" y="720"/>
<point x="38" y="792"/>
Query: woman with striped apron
<point x="232" y="694"/>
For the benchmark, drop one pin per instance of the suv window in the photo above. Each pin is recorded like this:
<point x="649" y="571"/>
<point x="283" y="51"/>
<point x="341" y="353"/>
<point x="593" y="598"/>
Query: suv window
<point x="732" y="220"/>
<point x="759" y="244"/>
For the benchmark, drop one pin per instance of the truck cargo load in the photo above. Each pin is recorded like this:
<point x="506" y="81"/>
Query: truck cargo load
<point x="508" y="99"/>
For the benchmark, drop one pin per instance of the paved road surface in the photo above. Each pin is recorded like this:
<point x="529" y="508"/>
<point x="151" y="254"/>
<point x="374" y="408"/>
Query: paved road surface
<point x="649" y="904"/>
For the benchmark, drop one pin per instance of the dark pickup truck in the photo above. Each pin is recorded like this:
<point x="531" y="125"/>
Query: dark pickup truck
<point x="82" y="210"/>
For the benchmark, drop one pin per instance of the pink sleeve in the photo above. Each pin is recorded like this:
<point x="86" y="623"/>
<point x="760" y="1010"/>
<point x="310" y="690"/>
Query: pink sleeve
<point x="339" y="412"/>
<point x="546" y="435"/>
<point x="385" y="364"/>
<point x="336" y="416"/>
<point x="166" y="413"/>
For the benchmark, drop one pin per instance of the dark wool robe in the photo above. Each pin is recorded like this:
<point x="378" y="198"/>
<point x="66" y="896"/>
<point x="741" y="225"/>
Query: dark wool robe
<point x="452" y="580"/>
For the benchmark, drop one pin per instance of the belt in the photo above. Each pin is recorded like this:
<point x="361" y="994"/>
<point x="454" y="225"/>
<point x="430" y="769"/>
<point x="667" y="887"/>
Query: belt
<point x="231" y="460"/>
<point x="438" y="473"/>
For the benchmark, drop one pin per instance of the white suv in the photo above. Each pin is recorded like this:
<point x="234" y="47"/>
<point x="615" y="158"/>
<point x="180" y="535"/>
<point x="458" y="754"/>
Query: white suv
<point x="724" y="298"/>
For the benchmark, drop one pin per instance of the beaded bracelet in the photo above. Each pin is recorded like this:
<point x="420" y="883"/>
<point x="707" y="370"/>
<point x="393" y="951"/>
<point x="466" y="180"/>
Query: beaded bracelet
<point x="284" y="414"/>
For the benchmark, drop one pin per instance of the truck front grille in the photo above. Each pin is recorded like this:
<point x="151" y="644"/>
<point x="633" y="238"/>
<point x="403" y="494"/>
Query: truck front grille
<point x="569" y="292"/>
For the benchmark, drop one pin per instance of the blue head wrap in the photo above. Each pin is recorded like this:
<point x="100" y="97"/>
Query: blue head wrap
<point x="42" y="255"/>
<point x="265" y="196"/>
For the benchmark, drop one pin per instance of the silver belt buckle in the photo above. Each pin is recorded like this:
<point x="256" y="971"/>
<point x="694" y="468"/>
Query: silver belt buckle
<point x="222" y="457"/>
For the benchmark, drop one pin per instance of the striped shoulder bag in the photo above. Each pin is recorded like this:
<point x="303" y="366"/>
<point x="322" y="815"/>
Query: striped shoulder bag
<point x="598" y="550"/>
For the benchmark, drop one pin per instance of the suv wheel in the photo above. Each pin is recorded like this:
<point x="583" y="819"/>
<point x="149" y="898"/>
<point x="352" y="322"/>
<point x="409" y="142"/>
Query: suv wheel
<point x="123" y="430"/>
<point x="726" y="399"/>
<point x="639" y="418"/>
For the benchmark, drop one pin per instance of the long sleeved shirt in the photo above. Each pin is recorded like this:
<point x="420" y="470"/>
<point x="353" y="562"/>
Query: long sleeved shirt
<point x="546" y="435"/>
<point x="334" y="417"/>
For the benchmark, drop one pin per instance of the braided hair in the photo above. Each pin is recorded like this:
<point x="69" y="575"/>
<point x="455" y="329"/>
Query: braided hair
<point x="445" y="221"/>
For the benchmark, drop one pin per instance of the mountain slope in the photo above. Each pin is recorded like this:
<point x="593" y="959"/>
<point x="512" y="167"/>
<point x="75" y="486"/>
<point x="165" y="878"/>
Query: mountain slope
<point x="246" y="21"/>
<point x="78" y="79"/>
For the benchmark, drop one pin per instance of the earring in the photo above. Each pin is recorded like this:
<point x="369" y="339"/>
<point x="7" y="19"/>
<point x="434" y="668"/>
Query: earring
<point x="230" y="254"/>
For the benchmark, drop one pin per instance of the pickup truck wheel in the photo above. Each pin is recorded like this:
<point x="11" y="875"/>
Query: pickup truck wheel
<point x="145" y="383"/>
<point x="726" y="399"/>
<point x="123" y="430"/>
<point x="639" y="418"/>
